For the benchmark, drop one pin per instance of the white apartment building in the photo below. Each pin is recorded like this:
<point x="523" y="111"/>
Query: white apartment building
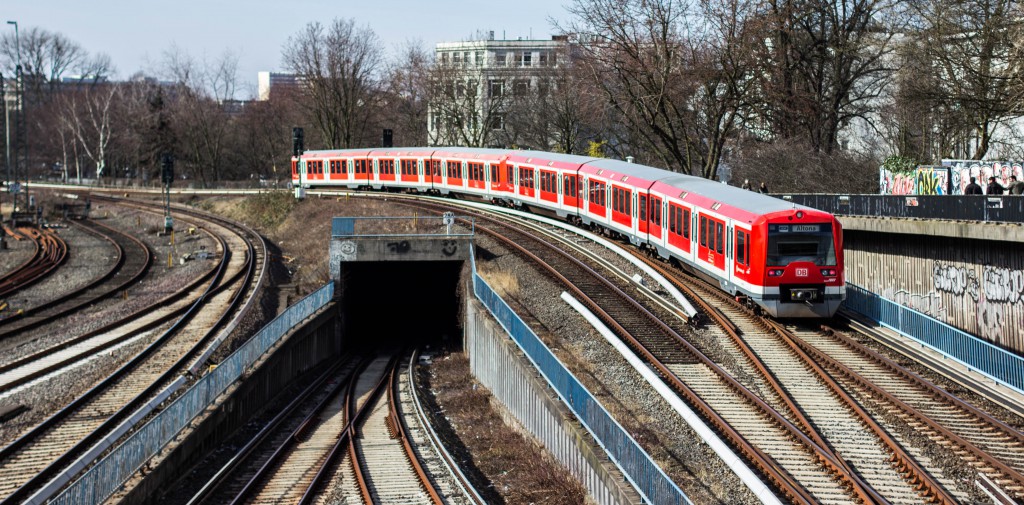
<point x="483" y="74"/>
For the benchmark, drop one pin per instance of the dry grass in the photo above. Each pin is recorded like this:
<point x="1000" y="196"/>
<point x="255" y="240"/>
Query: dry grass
<point x="504" y="283"/>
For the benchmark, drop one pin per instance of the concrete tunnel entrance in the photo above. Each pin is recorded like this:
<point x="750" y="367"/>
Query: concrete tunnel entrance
<point x="391" y="305"/>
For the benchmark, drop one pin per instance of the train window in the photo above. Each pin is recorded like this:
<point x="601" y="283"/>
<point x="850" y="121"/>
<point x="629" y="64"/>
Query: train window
<point x="656" y="211"/>
<point x="526" y="177"/>
<point x="597" y="193"/>
<point x="741" y="248"/>
<point x="642" y="208"/>
<point x="494" y="173"/>
<point x="686" y="223"/>
<point x="718" y="238"/>
<point x="672" y="226"/>
<point x="703" y="231"/>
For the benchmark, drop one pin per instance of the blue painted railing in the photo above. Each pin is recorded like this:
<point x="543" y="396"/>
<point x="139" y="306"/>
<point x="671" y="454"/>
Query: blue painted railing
<point x="1000" y="364"/>
<point x="645" y="475"/>
<point x="108" y="474"/>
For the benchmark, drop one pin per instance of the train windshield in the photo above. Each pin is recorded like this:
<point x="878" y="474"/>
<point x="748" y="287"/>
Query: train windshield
<point x="801" y="242"/>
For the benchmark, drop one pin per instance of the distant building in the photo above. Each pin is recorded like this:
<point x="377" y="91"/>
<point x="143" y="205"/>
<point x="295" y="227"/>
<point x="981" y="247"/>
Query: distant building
<point x="270" y="83"/>
<point x="485" y="74"/>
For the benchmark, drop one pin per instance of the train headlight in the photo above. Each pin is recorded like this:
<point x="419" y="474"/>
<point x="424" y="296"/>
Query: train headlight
<point x="799" y="214"/>
<point x="828" y="272"/>
<point x="775" y="272"/>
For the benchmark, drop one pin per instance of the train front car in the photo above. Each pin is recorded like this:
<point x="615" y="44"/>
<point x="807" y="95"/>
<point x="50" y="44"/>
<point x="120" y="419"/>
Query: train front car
<point x="803" y="263"/>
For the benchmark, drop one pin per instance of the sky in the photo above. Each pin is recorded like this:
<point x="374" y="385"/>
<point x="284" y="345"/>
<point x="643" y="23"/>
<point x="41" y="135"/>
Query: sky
<point x="136" y="34"/>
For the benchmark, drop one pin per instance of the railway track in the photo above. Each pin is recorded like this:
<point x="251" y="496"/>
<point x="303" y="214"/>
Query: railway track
<point x="50" y="253"/>
<point x="993" y="448"/>
<point x="802" y="470"/>
<point x="342" y="440"/>
<point x="46" y="449"/>
<point x="133" y="260"/>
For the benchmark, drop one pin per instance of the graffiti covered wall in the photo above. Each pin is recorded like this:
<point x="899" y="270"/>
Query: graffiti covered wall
<point x="976" y="286"/>
<point x="893" y="182"/>
<point x="961" y="172"/>
<point x="951" y="178"/>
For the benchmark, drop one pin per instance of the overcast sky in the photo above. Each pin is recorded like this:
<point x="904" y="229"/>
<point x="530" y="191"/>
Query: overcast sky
<point x="135" y="34"/>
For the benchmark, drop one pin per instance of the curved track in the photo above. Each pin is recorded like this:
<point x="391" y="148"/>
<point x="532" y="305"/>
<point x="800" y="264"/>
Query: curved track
<point x="133" y="260"/>
<point x="50" y="253"/>
<point x="46" y="449"/>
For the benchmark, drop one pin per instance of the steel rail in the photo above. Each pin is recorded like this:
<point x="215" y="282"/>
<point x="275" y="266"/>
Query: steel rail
<point x="899" y="455"/>
<point x="346" y="441"/>
<point x="402" y="433"/>
<point x="214" y="288"/>
<point x="10" y="326"/>
<point x="262" y="474"/>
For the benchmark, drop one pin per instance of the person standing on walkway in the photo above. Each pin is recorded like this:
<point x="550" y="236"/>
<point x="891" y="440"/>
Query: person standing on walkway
<point x="994" y="188"/>
<point x="746" y="185"/>
<point x="763" y="189"/>
<point x="973" y="188"/>
<point x="1016" y="187"/>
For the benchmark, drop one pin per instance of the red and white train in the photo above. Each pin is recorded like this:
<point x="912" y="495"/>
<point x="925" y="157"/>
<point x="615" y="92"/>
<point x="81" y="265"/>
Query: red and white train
<point x="786" y="258"/>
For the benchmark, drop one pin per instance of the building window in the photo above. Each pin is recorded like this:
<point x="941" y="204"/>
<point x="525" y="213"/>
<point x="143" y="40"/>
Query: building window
<point x="497" y="88"/>
<point x="497" y="122"/>
<point x="543" y="58"/>
<point x="521" y="87"/>
<point x="527" y="58"/>
<point x="456" y="58"/>
<point x="478" y="59"/>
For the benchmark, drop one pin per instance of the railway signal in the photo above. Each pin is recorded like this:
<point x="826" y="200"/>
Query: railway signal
<point x="167" y="176"/>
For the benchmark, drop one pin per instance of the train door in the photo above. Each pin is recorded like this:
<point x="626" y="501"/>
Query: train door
<point x="526" y="182"/>
<point x="597" y="195"/>
<point x="572" y="191"/>
<point x="620" y="206"/>
<point x="654" y="218"/>
<point x="711" y="246"/>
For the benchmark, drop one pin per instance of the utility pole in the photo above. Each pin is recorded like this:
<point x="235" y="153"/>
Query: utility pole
<point x="20" y="147"/>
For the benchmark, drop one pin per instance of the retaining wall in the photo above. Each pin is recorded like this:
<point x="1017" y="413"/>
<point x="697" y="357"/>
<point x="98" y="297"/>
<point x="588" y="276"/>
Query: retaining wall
<point x="500" y="366"/>
<point x="306" y="348"/>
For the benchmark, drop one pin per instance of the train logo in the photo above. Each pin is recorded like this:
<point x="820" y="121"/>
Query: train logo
<point x="801" y="272"/>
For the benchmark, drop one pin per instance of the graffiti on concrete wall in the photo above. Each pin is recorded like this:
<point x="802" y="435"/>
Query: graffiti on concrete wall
<point x="932" y="180"/>
<point x="962" y="171"/>
<point x="897" y="183"/>
<point x="928" y="303"/>
<point x="991" y="293"/>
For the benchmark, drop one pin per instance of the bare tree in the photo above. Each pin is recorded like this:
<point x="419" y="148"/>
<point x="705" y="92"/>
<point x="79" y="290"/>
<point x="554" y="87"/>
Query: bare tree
<point x="666" y="76"/>
<point x="407" y="95"/>
<point x="968" y="57"/>
<point x="822" y="63"/>
<point x="87" y="117"/>
<point x="198" y="112"/>
<point x="45" y="57"/>
<point x="561" y="110"/>
<point x="338" y="67"/>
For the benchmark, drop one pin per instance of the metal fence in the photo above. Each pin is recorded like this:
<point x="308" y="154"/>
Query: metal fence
<point x="107" y="476"/>
<point x="645" y="475"/>
<point x="407" y="226"/>
<point x="1005" y="209"/>
<point x="1000" y="364"/>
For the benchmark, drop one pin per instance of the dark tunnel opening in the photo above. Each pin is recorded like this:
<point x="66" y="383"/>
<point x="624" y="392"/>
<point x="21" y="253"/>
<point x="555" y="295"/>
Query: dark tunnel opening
<point x="392" y="305"/>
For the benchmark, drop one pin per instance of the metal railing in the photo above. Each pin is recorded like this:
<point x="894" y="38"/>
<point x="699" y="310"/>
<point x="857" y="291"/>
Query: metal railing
<point x="404" y="226"/>
<point x="1000" y="364"/>
<point x="638" y="467"/>
<point x="109" y="473"/>
<point x="1003" y="209"/>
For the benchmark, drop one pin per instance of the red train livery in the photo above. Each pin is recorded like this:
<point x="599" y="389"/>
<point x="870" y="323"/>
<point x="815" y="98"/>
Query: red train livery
<point x="786" y="258"/>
